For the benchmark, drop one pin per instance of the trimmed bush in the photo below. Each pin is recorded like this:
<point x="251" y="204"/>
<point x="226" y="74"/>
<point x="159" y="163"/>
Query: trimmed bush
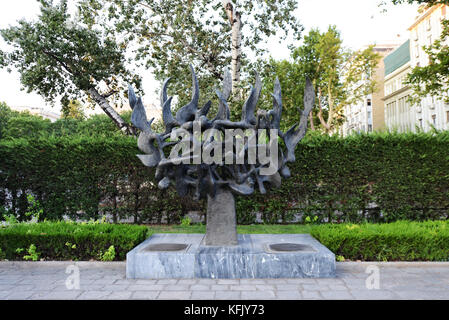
<point x="379" y="177"/>
<point x="69" y="241"/>
<point x="83" y="177"/>
<point x="397" y="241"/>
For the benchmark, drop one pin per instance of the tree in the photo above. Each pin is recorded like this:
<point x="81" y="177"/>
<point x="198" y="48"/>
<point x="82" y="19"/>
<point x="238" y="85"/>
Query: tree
<point x="59" y="56"/>
<point x="5" y="114"/>
<point x="292" y="80"/>
<point x="428" y="2"/>
<point x="73" y="110"/>
<point x="209" y="34"/>
<point x="341" y="77"/>
<point x="433" y="79"/>
<point x="24" y="124"/>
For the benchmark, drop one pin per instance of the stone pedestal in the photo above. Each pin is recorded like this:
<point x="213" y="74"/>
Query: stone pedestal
<point x="221" y="227"/>
<point x="255" y="256"/>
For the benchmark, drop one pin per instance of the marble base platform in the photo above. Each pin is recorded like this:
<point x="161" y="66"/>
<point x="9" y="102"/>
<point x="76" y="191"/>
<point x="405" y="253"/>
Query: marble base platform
<point x="255" y="256"/>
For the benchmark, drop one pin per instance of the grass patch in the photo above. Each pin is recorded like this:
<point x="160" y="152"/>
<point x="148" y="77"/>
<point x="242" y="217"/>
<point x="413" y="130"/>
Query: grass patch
<point x="244" y="229"/>
<point x="69" y="241"/>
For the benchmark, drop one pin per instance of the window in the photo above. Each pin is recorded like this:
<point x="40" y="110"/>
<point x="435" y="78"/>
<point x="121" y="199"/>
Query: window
<point x="434" y="119"/>
<point x="428" y="24"/>
<point x="370" y="127"/>
<point x="447" y="116"/>
<point x="369" y="115"/>
<point x="420" y="123"/>
<point x="416" y="51"/>
<point x="368" y="102"/>
<point x="429" y="40"/>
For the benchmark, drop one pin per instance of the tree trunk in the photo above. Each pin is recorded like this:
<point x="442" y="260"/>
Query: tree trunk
<point x="236" y="42"/>
<point x="104" y="104"/>
<point x="324" y="123"/>
<point x="312" y="125"/>
<point x="136" y="203"/>
<point x="221" y="226"/>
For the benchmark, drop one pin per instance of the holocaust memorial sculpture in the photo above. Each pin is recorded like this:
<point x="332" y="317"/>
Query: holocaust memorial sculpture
<point x="216" y="159"/>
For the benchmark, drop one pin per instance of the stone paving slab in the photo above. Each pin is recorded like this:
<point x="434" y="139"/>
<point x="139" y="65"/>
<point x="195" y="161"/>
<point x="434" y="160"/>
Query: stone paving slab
<point x="107" y="280"/>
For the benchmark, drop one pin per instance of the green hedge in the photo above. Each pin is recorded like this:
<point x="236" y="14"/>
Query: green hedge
<point x="397" y="241"/>
<point x="83" y="177"/>
<point x="377" y="177"/>
<point x="69" y="241"/>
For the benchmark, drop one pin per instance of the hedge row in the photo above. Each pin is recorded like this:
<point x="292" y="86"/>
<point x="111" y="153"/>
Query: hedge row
<point x="397" y="241"/>
<point x="69" y="241"/>
<point x="82" y="177"/>
<point x="378" y="177"/>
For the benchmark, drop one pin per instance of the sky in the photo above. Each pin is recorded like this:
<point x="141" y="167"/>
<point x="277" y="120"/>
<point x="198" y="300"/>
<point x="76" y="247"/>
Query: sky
<point x="361" y="22"/>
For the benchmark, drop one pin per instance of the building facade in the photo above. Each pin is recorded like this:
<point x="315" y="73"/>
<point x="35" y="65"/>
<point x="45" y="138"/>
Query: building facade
<point x="432" y="111"/>
<point x="46" y="114"/>
<point x="399" y="115"/>
<point x="368" y="114"/>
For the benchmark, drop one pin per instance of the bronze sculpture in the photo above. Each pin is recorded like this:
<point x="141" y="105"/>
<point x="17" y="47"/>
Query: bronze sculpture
<point x="218" y="182"/>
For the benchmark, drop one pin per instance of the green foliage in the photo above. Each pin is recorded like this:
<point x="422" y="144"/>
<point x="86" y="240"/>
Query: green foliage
<point x="109" y="255"/>
<point x="241" y="229"/>
<point x="432" y="79"/>
<point x="171" y="34"/>
<point x="10" y="219"/>
<point x="32" y="253"/>
<point x="70" y="241"/>
<point x="341" y="77"/>
<point x="73" y="110"/>
<point x="186" y="221"/>
<point x="398" y="241"/>
<point x="15" y="124"/>
<point x="95" y="125"/>
<point x="19" y="250"/>
<point x="34" y="209"/>
<point x="73" y="170"/>
<point x="428" y="2"/>
<point x="5" y="114"/>
<point x="58" y="56"/>
<point x="70" y="245"/>
<point x="24" y="124"/>
<point x="377" y="177"/>
<point x="308" y="219"/>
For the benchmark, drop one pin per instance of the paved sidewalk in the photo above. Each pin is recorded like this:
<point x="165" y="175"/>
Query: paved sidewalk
<point x="106" y="280"/>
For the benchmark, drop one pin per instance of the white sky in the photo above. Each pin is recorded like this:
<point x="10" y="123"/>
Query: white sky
<point x="360" y="22"/>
